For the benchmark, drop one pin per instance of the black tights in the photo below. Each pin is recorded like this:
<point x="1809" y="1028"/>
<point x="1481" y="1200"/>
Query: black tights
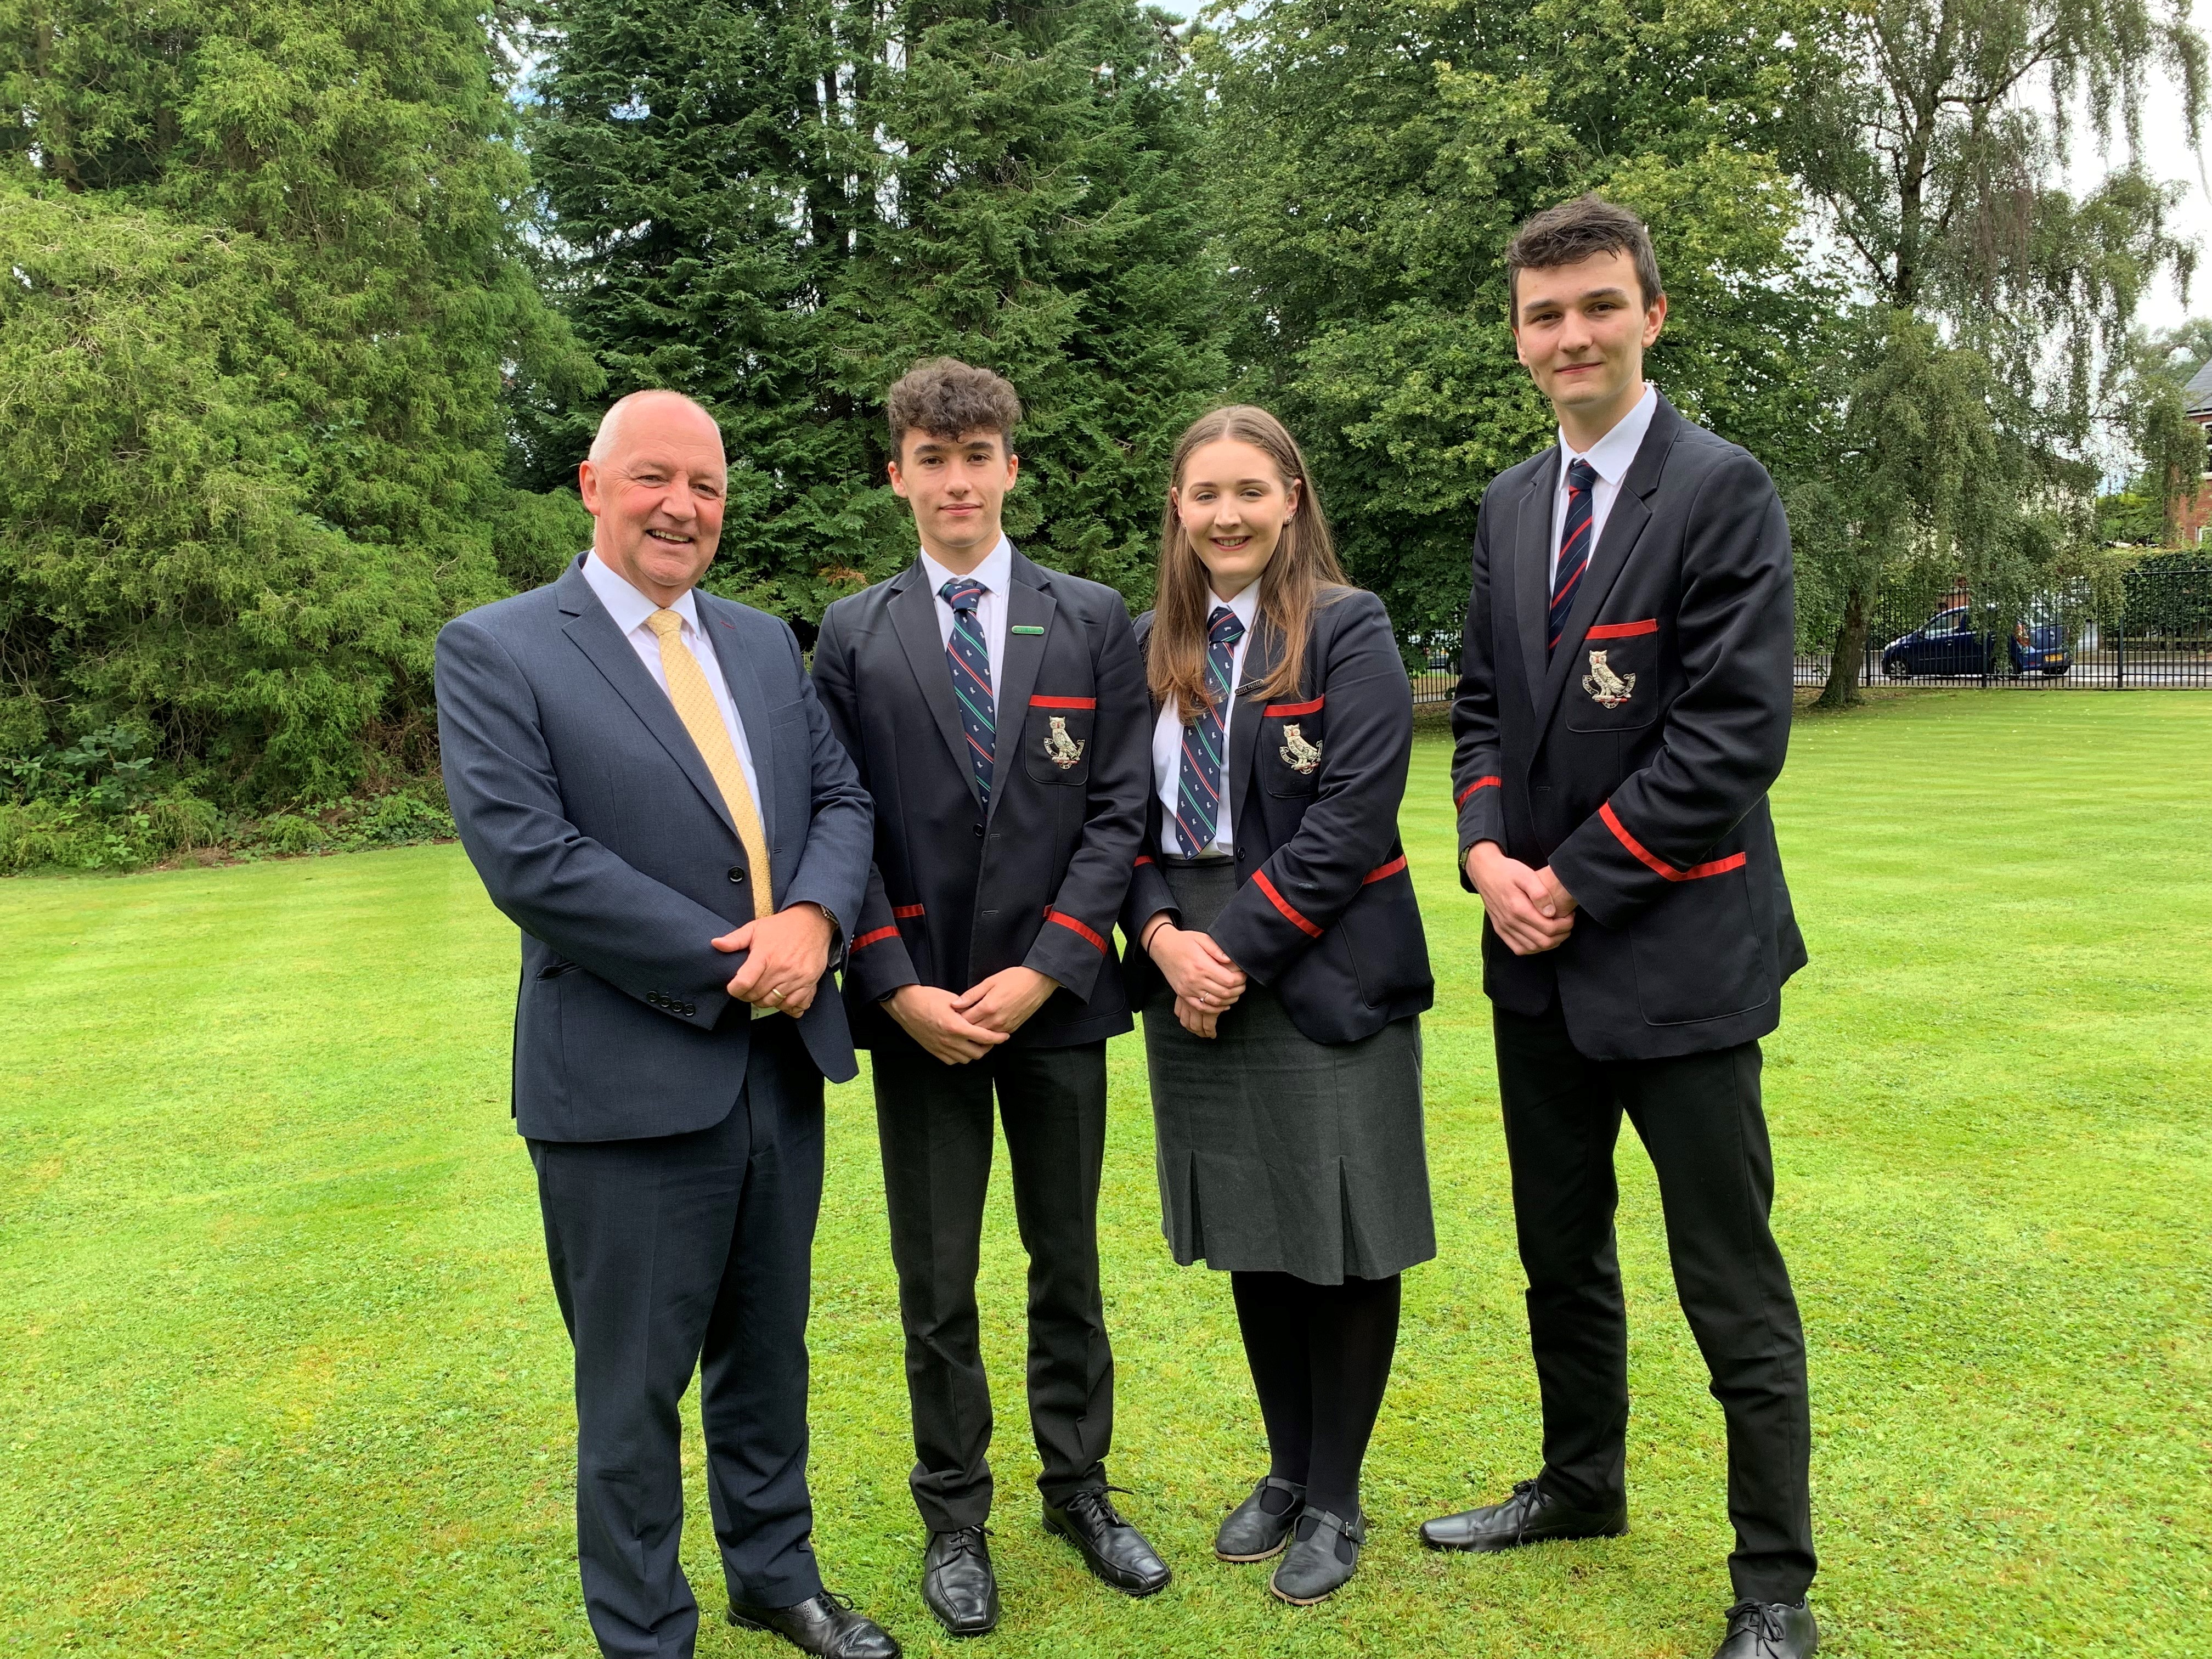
<point x="1320" y="1357"/>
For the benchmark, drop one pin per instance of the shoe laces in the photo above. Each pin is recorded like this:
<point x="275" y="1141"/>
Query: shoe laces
<point x="1095" y="1497"/>
<point x="1762" y="1619"/>
<point x="963" y="1540"/>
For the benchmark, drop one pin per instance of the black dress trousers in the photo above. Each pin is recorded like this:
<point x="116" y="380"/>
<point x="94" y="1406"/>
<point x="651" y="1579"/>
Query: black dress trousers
<point x="685" y="1252"/>
<point x="1700" y="1121"/>
<point x="935" y="1124"/>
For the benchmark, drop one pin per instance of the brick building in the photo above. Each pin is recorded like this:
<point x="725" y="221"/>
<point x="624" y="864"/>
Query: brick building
<point x="2196" y="515"/>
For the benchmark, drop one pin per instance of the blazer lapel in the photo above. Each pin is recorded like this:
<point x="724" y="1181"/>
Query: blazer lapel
<point x="750" y="698"/>
<point x="914" y="614"/>
<point x="596" y="636"/>
<point x="1028" y="604"/>
<point x="1532" y="570"/>
<point x="1623" y="525"/>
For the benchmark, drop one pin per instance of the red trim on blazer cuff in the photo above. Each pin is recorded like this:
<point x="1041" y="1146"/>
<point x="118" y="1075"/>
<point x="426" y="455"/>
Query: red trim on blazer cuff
<point x="906" y="912"/>
<point x="1623" y="630"/>
<point x="1141" y="858"/>
<point x="1284" y="710"/>
<point x="1063" y="702"/>
<point x="875" y="937"/>
<point x="1260" y="877"/>
<point x="1696" y="872"/>
<point x="1459" y="799"/>
<point x="1382" y="872"/>
<point x="1068" y="921"/>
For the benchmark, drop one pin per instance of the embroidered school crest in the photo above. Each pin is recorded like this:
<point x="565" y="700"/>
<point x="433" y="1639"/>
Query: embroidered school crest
<point x="1060" y="749"/>
<point x="1297" y="753"/>
<point x="1604" y="685"/>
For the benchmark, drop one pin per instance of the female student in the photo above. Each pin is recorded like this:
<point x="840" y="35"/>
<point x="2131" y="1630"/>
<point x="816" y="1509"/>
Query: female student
<point x="1280" y="965"/>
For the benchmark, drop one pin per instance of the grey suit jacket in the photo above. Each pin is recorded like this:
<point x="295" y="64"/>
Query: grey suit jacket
<point x="597" y="829"/>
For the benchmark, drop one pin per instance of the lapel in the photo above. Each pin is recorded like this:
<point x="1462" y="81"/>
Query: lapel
<point x="914" y="614"/>
<point x="596" y="636"/>
<point x="1028" y="604"/>
<point x="1624" y="525"/>
<point x="1260" y="659"/>
<point x="1532" y="569"/>
<point x="750" y="698"/>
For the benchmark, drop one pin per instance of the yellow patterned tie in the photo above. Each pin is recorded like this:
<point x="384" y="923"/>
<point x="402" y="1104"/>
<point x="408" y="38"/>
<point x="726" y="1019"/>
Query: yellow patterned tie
<point x="694" y="706"/>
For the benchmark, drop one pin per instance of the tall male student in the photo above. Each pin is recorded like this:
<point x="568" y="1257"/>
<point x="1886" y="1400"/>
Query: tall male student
<point x="997" y="712"/>
<point x="646" y="782"/>
<point x="1623" y="707"/>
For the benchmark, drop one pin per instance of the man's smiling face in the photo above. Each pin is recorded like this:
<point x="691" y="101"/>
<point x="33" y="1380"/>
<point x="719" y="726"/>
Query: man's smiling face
<point x="655" y="483"/>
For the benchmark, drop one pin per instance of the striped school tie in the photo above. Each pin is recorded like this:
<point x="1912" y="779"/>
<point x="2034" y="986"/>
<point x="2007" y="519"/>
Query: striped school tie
<point x="1197" y="790"/>
<point x="1574" y="548"/>
<point x="970" y="661"/>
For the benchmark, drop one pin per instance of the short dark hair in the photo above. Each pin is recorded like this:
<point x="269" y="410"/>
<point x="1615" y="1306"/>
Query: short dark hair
<point x="945" y="398"/>
<point x="1570" y="233"/>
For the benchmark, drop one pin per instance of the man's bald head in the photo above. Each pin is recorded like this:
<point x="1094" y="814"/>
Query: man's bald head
<point x="654" y="480"/>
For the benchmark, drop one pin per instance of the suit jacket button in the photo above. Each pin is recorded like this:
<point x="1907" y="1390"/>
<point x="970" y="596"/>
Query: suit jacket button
<point x="736" y="873"/>
<point x="978" y="832"/>
<point x="688" y="1010"/>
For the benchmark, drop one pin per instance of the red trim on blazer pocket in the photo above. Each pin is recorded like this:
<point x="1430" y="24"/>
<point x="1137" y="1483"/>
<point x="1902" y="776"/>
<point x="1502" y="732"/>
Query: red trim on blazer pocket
<point x="876" y="937"/>
<point x="906" y="912"/>
<point x="1696" y="872"/>
<point x="1459" y="799"/>
<point x="1260" y="877"/>
<point x="1141" y="858"/>
<point x="1623" y="630"/>
<point x="1286" y="710"/>
<point x="1383" y="871"/>
<point x="1063" y="702"/>
<point x="1068" y="921"/>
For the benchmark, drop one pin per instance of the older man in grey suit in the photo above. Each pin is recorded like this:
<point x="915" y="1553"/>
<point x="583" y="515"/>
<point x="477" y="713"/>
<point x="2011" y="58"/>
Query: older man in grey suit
<point x="650" y="791"/>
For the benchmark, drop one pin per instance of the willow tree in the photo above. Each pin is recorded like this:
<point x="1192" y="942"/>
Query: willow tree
<point x="1998" y="302"/>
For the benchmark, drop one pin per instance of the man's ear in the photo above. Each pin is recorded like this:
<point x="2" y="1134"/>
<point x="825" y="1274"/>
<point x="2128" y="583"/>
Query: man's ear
<point x="1655" y="319"/>
<point x="898" y="481"/>
<point x="587" y="486"/>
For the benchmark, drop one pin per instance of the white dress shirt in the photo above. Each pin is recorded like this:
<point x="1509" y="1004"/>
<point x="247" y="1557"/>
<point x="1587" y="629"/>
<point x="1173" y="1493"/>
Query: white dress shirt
<point x="1167" y="734"/>
<point x="994" y="573"/>
<point x="629" y="609"/>
<point x="1611" y="456"/>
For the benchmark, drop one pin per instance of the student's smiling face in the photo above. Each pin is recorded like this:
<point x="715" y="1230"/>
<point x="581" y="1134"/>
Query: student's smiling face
<point x="958" y="489"/>
<point x="1581" y="331"/>
<point x="1233" y="505"/>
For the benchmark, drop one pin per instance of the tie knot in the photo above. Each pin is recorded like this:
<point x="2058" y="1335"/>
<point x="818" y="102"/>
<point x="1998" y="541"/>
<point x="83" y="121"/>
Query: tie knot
<point x="1222" y="627"/>
<point x="962" y="593"/>
<point x="664" y="623"/>
<point x="1581" y="474"/>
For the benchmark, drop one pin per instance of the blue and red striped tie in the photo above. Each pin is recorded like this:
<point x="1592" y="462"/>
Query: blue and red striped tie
<point x="970" y="662"/>
<point x="1197" y="790"/>
<point x="1574" y="549"/>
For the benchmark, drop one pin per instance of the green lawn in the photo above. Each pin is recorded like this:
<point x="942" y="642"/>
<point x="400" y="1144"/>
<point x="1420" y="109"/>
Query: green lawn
<point x="280" y="1371"/>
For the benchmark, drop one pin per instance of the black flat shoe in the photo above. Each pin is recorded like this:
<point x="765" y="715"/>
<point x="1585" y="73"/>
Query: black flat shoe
<point x="1253" y="1531"/>
<point x="826" y="1625"/>
<point x="1114" y="1550"/>
<point x="1321" y="1561"/>
<point x="1770" y="1630"/>
<point x="957" y="1583"/>
<point x="1527" y="1517"/>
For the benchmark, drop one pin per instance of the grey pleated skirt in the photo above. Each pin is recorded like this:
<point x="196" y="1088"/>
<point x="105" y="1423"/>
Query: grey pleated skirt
<point x="1277" y="1153"/>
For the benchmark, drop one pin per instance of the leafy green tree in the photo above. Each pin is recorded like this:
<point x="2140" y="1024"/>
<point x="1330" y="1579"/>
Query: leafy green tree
<point x="263" y="289"/>
<point x="1999" y="302"/>
<point x="777" y="207"/>
<point x="1369" y="160"/>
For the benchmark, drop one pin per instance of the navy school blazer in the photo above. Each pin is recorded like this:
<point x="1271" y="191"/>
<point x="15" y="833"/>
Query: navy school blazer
<point x="1324" y="914"/>
<point x="600" y="832"/>
<point x="957" y="893"/>
<point x="1636" y="760"/>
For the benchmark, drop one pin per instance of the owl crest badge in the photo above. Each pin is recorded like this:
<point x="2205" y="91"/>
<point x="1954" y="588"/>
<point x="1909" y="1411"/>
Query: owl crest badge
<point x="1297" y="753"/>
<point x="1060" y="749"/>
<point x="1606" y="687"/>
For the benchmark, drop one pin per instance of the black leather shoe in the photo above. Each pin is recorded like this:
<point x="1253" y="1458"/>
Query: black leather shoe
<point x="1322" y="1561"/>
<point x="1770" y="1630"/>
<point x="1527" y="1517"/>
<point x="1252" y="1532"/>
<point x="957" y="1583"/>
<point x="826" y="1625"/>
<point x="1113" y="1549"/>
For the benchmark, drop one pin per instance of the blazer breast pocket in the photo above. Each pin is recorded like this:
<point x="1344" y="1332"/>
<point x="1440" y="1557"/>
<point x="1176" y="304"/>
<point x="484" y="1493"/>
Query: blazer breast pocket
<point x="1291" y="735"/>
<point x="1614" y="683"/>
<point x="1056" y="738"/>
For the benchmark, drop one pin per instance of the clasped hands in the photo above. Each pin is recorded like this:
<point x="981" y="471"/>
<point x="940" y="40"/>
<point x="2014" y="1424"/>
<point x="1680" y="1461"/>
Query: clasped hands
<point x="1205" y="982"/>
<point x="1531" y="911"/>
<point x="789" y="952"/>
<point x="958" y="1027"/>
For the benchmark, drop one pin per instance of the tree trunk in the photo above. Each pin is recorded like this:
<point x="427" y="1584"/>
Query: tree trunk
<point x="1846" y="655"/>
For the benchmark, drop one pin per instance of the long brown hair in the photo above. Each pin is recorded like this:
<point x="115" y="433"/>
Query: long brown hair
<point x="1302" y="574"/>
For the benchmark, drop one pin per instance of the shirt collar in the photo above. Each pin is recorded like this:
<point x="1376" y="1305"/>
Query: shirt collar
<point x="1245" y="607"/>
<point x="996" y="571"/>
<point x="1615" y="452"/>
<point x="629" y="607"/>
